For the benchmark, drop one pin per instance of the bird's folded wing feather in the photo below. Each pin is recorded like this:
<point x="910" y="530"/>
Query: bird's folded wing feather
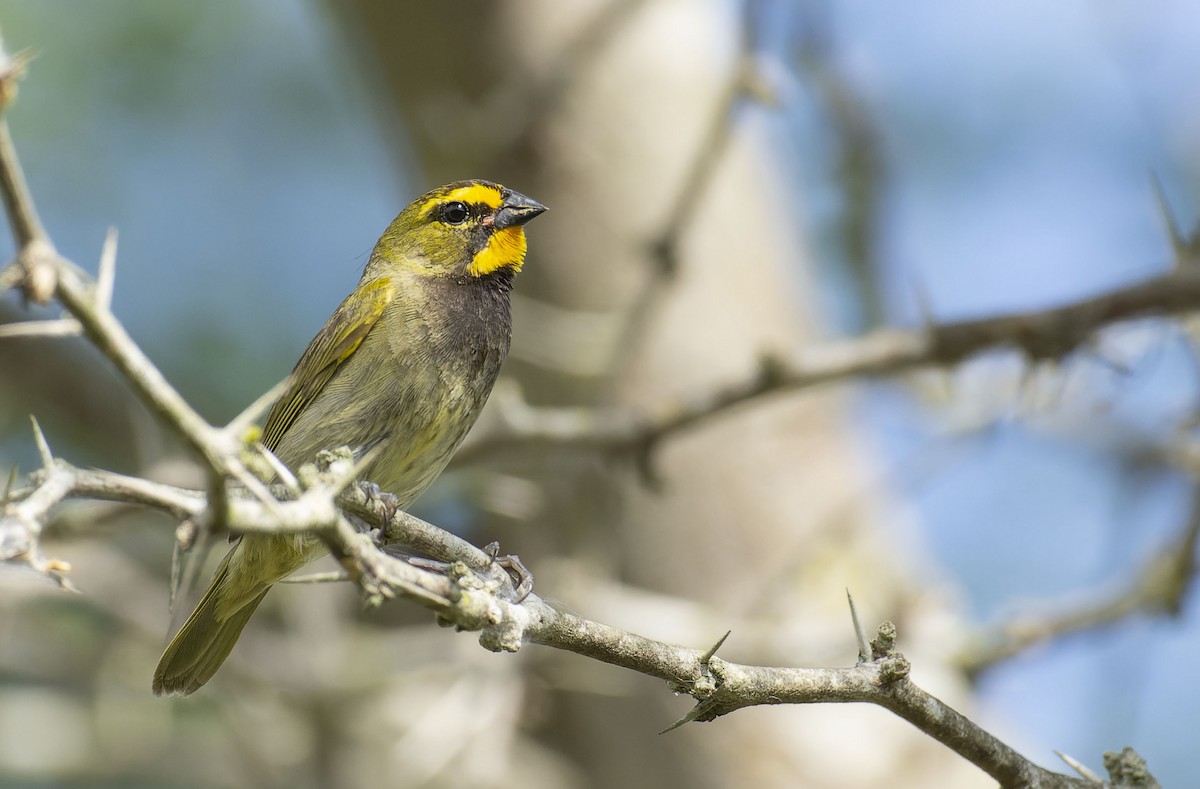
<point x="332" y="346"/>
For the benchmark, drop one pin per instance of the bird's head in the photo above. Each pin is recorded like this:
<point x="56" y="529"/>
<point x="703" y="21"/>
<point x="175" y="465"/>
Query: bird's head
<point x="472" y="228"/>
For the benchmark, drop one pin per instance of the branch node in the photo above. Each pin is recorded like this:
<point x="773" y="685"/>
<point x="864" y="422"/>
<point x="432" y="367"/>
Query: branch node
<point x="884" y="643"/>
<point x="894" y="668"/>
<point x="642" y="448"/>
<point x="1128" y="770"/>
<point x="756" y="84"/>
<point x="185" y="535"/>
<point x="664" y="251"/>
<point x="772" y="372"/>
<point x="37" y="259"/>
<point x="505" y="634"/>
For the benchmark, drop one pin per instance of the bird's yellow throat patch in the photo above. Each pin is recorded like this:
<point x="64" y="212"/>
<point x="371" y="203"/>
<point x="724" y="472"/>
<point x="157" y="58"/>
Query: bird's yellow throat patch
<point x="505" y="249"/>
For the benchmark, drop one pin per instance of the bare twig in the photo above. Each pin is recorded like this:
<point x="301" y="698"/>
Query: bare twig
<point x="34" y="251"/>
<point x="1159" y="586"/>
<point x="64" y="327"/>
<point x="1048" y="334"/>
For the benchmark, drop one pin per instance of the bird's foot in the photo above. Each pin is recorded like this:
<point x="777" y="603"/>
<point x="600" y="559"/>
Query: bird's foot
<point x="521" y="577"/>
<point x="379" y="497"/>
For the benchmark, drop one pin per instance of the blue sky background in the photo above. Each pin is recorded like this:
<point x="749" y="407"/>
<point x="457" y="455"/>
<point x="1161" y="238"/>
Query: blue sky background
<point x="238" y="154"/>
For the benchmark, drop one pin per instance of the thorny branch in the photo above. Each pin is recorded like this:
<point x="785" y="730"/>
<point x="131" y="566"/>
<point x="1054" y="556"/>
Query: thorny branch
<point x="474" y="593"/>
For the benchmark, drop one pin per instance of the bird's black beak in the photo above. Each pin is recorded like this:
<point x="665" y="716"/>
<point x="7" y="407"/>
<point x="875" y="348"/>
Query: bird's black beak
<point x="517" y="209"/>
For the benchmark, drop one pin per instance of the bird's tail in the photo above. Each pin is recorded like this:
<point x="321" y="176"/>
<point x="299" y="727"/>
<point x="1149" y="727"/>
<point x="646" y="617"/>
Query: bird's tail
<point x="207" y="637"/>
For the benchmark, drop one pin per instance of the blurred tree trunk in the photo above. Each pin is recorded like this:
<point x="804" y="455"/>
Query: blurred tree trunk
<point x="764" y="517"/>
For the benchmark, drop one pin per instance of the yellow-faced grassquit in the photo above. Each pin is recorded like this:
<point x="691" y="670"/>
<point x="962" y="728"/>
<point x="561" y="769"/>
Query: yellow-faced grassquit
<point x="400" y="371"/>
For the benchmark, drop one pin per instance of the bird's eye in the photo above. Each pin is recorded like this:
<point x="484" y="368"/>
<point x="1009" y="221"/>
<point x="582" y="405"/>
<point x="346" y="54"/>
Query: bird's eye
<point x="455" y="213"/>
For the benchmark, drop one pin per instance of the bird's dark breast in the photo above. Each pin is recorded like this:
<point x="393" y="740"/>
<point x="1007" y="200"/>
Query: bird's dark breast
<point x="469" y="331"/>
<point x="444" y="372"/>
<point x="473" y="320"/>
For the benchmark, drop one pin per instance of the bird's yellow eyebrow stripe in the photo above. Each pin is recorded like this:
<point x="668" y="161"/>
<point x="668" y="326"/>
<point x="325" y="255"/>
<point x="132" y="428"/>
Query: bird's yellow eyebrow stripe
<point x="475" y="193"/>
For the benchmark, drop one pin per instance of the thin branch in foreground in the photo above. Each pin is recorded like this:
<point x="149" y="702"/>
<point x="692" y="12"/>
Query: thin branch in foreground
<point x="60" y="327"/>
<point x="35" y="254"/>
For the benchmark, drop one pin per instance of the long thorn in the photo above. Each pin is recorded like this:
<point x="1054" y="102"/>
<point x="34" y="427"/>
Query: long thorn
<point x="1178" y="243"/>
<point x="8" y="487"/>
<point x="693" y="714"/>
<point x="283" y="472"/>
<point x="707" y="656"/>
<point x="252" y="412"/>
<point x="1080" y="768"/>
<point x="176" y="566"/>
<point x="106" y="275"/>
<point x="334" y="576"/>
<point x="864" y="643"/>
<point x="255" y="485"/>
<point x="42" y="445"/>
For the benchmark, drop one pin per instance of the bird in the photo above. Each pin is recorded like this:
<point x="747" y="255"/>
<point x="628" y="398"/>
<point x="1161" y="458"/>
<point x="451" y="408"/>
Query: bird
<point x="399" y="374"/>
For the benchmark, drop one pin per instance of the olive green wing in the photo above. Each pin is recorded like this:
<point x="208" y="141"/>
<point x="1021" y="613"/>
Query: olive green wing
<point x="334" y="344"/>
